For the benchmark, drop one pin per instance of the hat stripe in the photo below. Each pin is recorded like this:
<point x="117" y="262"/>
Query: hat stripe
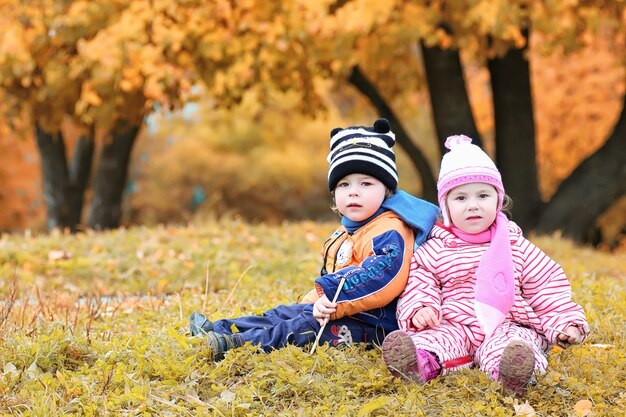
<point x="384" y="157"/>
<point x="381" y="153"/>
<point x="454" y="175"/>
<point x="362" y="131"/>
<point x="382" y="139"/>
<point x="364" y="158"/>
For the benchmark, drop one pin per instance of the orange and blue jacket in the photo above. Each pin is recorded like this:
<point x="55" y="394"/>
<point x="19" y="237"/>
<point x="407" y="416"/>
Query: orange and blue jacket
<point x="374" y="260"/>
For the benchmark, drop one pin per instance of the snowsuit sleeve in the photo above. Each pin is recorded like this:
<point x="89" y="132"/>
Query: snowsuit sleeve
<point x="547" y="290"/>
<point x="381" y="276"/>
<point x="423" y="287"/>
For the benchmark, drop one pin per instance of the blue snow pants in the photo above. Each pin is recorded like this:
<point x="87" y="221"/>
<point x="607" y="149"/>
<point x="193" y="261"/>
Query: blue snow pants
<point x="295" y="325"/>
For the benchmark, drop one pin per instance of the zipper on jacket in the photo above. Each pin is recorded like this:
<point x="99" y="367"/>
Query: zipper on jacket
<point x="323" y="271"/>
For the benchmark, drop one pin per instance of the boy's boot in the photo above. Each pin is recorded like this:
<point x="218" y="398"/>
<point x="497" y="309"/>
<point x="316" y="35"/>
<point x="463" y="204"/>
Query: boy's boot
<point x="222" y="343"/>
<point x="405" y="361"/>
<point x="516" y="367"/>
<point x="199" y="324"/>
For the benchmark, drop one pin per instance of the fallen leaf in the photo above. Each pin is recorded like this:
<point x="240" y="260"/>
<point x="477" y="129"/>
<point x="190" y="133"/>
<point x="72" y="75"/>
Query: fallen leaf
<point x="524" y="410"/>
<point x="9" y="368"/>
<point x="227" y="396"/>
<point x="33" y="371"/>
<point x="55" y="255"/>
<point x="583" y="407"/>
<point x="373" y="405"/>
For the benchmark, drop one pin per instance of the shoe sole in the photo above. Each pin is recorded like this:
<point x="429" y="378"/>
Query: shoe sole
<point x="400" y="356"/>
<point x="516" y="367"/>
<point x="217" y="352"/>
<point x="199" y="325"/>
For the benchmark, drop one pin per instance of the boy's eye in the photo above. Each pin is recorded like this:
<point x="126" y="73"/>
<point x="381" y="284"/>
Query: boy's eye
<point x="366" y="183"/>
<point x="342" y="184"/>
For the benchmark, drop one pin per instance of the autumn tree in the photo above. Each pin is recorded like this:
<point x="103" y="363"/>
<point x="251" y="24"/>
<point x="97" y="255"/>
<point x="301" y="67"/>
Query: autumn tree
<point x="375" y="47"/>
<point x="498" y="35"/>
<point x="102" y="64"/>
<point x="108" y="64"/>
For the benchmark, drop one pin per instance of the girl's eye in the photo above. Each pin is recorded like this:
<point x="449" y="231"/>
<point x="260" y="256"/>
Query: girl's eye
<point x="460" y="198"/>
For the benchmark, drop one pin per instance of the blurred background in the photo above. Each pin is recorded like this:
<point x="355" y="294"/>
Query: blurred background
<point x="115" y="113"/>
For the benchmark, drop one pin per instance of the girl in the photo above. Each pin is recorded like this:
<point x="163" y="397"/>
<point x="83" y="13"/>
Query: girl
<point x="478" y="291"/>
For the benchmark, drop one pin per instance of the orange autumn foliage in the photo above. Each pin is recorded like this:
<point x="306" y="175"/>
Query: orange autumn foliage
<point x="20" y="185"/>
<point x="577" y="100"/>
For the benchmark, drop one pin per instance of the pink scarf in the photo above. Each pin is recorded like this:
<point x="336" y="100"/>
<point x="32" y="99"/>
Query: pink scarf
<point x="495" y="289"/>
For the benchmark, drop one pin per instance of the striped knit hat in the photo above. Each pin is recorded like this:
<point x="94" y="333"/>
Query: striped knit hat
<point x="465" y="163"/>
<point x="363" y="150"/>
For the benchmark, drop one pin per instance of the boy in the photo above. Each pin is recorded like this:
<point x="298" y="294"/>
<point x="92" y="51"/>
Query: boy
<point x="371" y="249"/>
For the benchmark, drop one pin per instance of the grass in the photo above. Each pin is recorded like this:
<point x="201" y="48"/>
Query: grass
<point x="96" y="324"/>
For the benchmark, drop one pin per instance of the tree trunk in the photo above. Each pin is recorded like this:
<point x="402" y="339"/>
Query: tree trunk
<point x="110" y="178"/>
<point x="80" y="170"/>
<point x="450" y="104"/>
<point x="56" y="183"/>
<point x="64" y="190"/>
<point x="429" y="188"/>
<point x="515" y="134"/>
<point x="594" y="186"/>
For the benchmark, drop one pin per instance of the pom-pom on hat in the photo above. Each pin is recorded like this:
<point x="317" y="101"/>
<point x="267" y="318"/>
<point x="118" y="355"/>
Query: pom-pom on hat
<point x="364" y="150"/>
<point x="463" y="164"/>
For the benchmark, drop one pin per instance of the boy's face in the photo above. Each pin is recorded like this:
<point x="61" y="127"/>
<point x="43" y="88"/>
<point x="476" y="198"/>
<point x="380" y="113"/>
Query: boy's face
<point x="472" y="207"/>
<point x="359" y="196"/>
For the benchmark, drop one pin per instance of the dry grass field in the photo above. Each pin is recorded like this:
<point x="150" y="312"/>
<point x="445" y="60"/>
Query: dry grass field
<point x="96" y="324"/>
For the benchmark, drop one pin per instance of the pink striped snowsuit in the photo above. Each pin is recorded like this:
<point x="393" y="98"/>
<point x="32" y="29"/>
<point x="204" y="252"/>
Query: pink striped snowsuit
<point x="442" y="275"/>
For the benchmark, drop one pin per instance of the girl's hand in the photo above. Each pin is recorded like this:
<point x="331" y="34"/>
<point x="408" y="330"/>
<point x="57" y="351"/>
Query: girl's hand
<point x="322" y="309"/>
<point x="571" y="335"/>
<point x="425" y="317"/>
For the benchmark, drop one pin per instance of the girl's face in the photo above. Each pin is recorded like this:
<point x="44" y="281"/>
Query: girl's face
<point x="472" y="207"/>
<point x="359" y="196"/>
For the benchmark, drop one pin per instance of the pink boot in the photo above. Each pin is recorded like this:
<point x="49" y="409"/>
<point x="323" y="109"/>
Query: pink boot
<point x="516" y="367"/>
<point x="405" y="361"/>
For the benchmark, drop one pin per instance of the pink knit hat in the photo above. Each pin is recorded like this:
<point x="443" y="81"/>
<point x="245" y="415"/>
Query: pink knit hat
<point x="463" y="164"/>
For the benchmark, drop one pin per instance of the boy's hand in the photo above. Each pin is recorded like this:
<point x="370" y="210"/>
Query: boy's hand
<point x="425" y="317"/>
<point x="571" y="335"/>
<point x="322" y="309"/>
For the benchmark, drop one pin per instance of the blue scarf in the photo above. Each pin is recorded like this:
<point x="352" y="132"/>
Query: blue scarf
<point x="417" y="213"/>
<point x="352" y="227"/>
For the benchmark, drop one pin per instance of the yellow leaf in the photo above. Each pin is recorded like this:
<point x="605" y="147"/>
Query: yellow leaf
<point x="61" y="378"/>
<point x="126" y="85"/>
<point x="152" y="89"/>
<point x="373" y="405"/>
<point x="91" y="97"/>
<point x="184" y="59"/>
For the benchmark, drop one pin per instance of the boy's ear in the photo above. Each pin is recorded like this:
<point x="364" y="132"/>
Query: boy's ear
<point x="382" y="126"/>
<point x="335" y="131"/>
